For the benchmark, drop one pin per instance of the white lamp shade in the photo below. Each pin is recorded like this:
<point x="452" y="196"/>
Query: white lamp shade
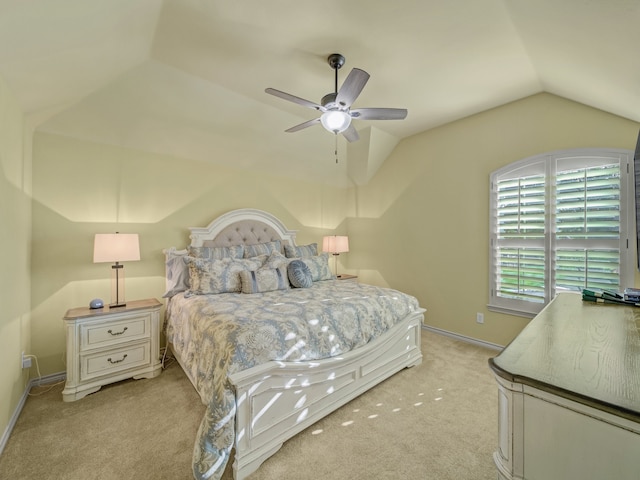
<point x="116" y="247"/>
<point x="335" y="244"/>
<point x="335" y="121"/>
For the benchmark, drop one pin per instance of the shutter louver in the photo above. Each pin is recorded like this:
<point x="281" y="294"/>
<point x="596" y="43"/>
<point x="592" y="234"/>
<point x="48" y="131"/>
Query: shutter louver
<point x="520" y="266"/>
<point x="592" y="269"/>
<point x="520" y="274"/>
<point x="588" y="212"/>
<point x="520" y="207"/>
<point x="588" y="203"/>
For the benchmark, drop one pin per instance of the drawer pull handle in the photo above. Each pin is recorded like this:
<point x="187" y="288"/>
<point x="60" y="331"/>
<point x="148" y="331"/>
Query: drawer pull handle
<point x="115" y="334"/>
<point x="113" y="362"/>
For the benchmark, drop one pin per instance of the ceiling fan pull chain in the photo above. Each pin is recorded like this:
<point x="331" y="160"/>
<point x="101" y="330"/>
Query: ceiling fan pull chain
<point x="336" y="150"/>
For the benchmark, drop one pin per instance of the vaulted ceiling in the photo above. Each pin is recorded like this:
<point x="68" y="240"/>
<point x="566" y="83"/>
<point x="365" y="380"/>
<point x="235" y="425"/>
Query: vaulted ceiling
<point x="187" y="77"/>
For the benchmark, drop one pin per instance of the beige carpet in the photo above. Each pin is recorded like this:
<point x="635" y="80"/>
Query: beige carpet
<point x="435" y="421"/>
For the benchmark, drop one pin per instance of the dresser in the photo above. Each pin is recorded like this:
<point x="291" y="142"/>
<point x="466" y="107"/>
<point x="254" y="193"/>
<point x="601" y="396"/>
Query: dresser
<point x="569" y="394"/>
<point x="107" y="345"/>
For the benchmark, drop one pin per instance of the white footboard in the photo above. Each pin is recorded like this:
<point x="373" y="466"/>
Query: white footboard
<point x="279" y="399"/>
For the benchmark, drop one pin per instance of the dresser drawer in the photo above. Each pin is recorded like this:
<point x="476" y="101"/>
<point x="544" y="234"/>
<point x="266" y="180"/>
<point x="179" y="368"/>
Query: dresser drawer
<point x="115" y="360"/>
<point x="93" y="335"/>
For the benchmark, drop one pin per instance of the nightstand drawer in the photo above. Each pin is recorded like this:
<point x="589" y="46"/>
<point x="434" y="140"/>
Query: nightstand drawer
<point x="115" y="331"/>
<point x="116" y="360"/>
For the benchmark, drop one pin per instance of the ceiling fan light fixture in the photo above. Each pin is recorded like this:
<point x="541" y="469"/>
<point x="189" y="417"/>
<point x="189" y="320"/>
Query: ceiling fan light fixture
<point x="336" y="121"/>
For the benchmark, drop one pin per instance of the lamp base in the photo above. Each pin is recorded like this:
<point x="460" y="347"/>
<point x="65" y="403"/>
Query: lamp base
<point x="117" y="286"/>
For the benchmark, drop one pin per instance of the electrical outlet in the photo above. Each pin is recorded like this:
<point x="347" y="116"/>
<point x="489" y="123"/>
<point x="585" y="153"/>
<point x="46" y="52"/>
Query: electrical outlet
<point x="480" y="317"/>
<point x="26" y="361"/>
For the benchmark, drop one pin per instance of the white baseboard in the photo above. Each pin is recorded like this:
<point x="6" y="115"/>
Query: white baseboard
<point x="463" y="338"/>
<point x="34" y="382"/>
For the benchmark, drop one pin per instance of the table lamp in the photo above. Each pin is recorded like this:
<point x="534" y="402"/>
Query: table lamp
<point x="116" y="247"/>
<point x="335" y="245"/>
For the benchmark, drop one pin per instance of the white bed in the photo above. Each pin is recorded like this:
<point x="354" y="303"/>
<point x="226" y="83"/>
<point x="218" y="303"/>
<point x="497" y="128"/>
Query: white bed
<point x="268" y="403"/>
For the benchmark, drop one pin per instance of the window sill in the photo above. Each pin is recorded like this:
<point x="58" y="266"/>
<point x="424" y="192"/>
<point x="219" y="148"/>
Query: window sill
<point x="511" y="311"/>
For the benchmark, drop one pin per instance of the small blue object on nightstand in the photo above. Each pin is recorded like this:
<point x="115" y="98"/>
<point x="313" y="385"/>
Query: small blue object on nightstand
<point x="96" y="303"/>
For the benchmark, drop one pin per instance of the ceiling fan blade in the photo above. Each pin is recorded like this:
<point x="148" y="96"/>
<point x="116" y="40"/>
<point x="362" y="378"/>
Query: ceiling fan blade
<point x="352" y="86"/>
<point x="294" y="99"/>
<point x="303" y="125"/>
<point x="351" y="134"/>
<point x="379" y="113"/>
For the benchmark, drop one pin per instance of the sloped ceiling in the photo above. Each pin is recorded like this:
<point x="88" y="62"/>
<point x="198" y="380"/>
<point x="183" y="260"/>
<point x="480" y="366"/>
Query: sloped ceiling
<point x="187" y="77"/>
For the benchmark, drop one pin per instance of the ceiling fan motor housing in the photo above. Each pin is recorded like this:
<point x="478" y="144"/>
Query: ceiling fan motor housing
<point x="329" y="101"/>
<point x="335" y="60"/>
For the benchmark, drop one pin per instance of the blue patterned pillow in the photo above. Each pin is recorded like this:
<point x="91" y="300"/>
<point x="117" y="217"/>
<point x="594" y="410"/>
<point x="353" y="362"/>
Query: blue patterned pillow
<point x="275" y="260"/>
<point x="216" y="253"/>
<point x="218" y="276"/>
<point x="319" y="267"/>
<point x="261" y="249"/>
<point x="299" y="274"/>
<point x="264" y="280"/>
<point x="310" y="250"/>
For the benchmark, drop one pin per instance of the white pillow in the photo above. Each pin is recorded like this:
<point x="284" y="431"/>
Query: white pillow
<point x="177" y="272"/>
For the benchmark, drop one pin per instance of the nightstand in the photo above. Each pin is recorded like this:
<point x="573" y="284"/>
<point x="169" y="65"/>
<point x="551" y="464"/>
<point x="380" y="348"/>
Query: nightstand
<point x="107" y="345"/>
<point x="352" y="278"/>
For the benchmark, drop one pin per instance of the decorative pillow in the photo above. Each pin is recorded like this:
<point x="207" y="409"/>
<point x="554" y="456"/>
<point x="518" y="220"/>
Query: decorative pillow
<point x="319" y="267"/>
<point x="299" y="274"/>
<point x="261" y="249"/>
<point x="264" y="280"/>
<point x="275" y="260"/>
<point x="218" y="276"/>
<point x="216" y="253"/>
<point x="310" y="250"/>
<point x="177" y="274"/>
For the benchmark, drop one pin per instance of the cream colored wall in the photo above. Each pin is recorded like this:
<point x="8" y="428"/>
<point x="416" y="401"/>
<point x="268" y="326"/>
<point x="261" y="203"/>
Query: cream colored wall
<point x="421" y="225"/>
<point x="15" y="218"/>
<point x="82" y="188"/>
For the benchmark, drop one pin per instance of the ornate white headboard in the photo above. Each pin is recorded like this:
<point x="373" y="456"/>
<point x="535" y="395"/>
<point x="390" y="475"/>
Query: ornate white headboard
<point x="246" y="226"/>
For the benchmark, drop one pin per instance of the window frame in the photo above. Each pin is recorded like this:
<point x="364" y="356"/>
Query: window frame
<point x="546" y="164"/>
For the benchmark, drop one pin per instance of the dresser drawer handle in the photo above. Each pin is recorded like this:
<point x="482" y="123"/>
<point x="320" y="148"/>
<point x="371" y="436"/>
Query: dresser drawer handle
<point x="115" y="334"/>
<point x="113" y="362"/>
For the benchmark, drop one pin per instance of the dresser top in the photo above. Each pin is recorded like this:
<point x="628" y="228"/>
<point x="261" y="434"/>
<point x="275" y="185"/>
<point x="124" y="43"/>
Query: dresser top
<point x="84" y="312"/>
<point x="583" y="351"/>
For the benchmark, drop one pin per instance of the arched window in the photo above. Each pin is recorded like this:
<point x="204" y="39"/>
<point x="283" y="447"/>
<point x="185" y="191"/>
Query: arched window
<point x="559" y="221"/>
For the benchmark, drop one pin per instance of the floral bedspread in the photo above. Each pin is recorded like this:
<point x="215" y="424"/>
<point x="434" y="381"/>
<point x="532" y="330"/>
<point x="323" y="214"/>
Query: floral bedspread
<point x="218" y="335"/>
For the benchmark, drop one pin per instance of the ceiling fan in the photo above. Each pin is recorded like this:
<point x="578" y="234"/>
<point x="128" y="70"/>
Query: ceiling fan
<point x="336" y="107"/>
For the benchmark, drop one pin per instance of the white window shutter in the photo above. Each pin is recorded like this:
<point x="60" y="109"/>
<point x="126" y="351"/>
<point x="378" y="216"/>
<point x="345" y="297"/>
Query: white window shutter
<point x="558" y="223"/>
